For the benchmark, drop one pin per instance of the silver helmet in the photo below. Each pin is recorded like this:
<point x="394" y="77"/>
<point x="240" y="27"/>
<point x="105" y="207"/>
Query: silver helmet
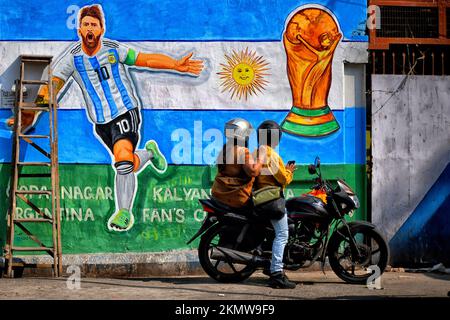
<point x="238" y="128"/>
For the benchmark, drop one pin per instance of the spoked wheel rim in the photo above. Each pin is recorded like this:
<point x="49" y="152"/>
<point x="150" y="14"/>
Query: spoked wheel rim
<point x="225" y="266"/>
<point x="373" y="254"/>
<point x="221" y="269"/>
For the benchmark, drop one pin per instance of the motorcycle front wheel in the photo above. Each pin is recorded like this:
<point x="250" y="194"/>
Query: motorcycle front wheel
<point x="220" y="270"/>
<point x="373" y="249"/>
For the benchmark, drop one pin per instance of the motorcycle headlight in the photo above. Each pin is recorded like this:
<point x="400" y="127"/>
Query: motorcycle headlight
<point x="344" y="186"/>
<point x="355" y="201"/>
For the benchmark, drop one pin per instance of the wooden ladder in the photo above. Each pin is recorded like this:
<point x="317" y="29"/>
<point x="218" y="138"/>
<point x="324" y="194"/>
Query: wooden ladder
<point x="20" y="190"/>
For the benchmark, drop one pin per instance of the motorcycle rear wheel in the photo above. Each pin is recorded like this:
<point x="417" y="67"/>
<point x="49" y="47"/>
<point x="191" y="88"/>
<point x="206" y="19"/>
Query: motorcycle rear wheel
<point x="374" y="252"/>
<point x="219" y="270"/>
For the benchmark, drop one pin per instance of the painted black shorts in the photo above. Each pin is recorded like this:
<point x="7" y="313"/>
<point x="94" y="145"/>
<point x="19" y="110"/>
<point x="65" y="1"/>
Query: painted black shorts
<point x="125" y="126"/>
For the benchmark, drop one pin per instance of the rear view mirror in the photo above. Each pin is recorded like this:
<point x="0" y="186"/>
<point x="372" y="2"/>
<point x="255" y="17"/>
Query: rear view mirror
<point x="317" y="162"/>
<point x="312" y="169"/>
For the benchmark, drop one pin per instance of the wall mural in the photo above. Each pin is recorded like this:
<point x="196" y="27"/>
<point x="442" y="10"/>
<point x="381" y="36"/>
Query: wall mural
<point x="98" y="66"/>
<point x="141" y="113"/>
<point x="310" y="39"/>
<point x="243" y="74"/>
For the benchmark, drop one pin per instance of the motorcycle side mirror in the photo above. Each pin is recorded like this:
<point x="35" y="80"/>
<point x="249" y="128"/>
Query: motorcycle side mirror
<point x="312" y="169"/>
<point x="317" y="162"/>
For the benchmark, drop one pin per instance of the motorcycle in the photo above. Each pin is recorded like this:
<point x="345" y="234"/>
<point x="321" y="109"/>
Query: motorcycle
<point x="234" y="245"/>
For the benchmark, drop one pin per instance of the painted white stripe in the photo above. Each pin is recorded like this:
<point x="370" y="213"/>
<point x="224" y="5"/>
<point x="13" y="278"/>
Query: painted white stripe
<point x="132" y="120"/>
<point x="168" y="90"/>
<point x="135" y="121"/>
<point x="133" y="115"/>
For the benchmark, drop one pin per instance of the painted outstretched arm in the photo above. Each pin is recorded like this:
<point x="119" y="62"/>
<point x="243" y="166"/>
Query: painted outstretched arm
<point x="161" y="61"/>
<point x="29" y="117"/>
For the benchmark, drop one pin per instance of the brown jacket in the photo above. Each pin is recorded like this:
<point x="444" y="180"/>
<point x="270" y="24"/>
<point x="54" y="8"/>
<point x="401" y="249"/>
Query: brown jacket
<point x="232" y="185"/>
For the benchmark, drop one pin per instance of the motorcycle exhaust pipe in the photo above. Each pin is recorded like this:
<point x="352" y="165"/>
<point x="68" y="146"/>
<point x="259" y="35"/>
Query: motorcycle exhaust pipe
<point x="221" y="253"/>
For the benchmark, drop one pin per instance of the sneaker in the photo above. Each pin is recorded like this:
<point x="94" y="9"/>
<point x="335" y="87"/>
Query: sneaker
<point x="121" y="221"/>
<point x="158" y="162"/>
<point x="279" y="280"/>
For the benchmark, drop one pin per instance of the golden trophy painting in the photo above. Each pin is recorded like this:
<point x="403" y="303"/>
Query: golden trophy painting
<point x="310" y="39"/>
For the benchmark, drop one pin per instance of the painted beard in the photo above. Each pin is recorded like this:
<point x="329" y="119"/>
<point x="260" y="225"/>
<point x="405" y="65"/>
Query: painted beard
<point x="91" y="41"/>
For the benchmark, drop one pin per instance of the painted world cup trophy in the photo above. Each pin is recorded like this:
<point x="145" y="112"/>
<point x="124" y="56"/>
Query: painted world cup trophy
<point x="310" y="39"/>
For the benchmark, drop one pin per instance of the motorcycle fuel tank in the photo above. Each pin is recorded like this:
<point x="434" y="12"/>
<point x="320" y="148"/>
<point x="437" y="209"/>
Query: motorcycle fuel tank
<point x="306" y="205"/>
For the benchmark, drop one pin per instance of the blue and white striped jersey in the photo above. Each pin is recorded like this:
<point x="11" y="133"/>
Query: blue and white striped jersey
<point x="104" y="78"/>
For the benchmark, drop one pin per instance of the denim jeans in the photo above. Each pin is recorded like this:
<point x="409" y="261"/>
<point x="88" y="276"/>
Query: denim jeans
<point x="281" y="238"/>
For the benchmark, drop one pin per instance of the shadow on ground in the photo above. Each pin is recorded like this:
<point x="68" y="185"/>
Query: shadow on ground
<point x="179" y="284"/>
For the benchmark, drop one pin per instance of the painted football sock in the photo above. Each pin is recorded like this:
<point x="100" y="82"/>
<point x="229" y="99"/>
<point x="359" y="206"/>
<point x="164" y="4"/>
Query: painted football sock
<point x="125" y="190"/>
<point x="144" y="157"/>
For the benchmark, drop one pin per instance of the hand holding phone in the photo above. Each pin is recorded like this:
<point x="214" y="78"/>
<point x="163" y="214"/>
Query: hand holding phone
<point x="291" y="165"/>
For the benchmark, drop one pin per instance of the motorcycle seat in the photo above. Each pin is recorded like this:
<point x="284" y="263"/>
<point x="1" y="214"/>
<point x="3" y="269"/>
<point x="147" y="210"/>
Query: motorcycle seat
<point x="223" y="208"/>
<point x="245" y="215"/>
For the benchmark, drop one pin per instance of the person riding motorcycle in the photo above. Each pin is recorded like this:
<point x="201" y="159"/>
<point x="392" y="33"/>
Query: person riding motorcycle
<point x="274" y="173"/>
<point x="236" y="168"/>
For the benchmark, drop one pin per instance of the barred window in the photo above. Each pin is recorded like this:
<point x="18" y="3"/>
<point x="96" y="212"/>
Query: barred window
<point x="409" y="22"/>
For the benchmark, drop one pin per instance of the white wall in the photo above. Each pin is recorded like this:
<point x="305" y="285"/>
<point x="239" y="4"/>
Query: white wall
<point x="164" y="90"/>
<point x="410" y="143"/>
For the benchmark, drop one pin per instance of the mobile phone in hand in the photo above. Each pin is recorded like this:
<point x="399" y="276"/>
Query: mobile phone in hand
<point x="290" y="162"/>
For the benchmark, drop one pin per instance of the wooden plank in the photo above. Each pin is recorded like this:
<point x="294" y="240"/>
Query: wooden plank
<point x="33" y="206"/>
<point x="40" y="82"/>
<point x="34" y="175"/>
<point x="46" y="164"/>
<point x="55" y="250"/>
<point x="32" y="249"/>
<point x="34" y="136"/>
<point x="32" y="220"/>
<point x="28" y="233"/>
<point x="46" y="58"/>
<point x="36" y="146"/>
<point x="44" y="192"/>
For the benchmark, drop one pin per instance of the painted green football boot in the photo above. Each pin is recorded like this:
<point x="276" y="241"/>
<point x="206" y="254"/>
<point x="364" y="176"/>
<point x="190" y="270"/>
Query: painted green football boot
<point x="121" y="221"/>
<point x="158" y="162"/>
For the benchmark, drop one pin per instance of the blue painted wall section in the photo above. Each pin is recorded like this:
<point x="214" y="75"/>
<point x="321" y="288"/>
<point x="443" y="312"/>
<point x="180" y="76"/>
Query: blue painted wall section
<point x="79" y="145"/>
<point x="206" y="20"/>
<point x="423" y="238"/>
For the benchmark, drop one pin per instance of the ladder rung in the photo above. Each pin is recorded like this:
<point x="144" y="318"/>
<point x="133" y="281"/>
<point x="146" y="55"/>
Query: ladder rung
<point x="35" y="57"/>
<point x="35" y="175"/>
<point x="35" y="108"/>
<point x="49" y="192"/>
<point x="46" y="164"/>
<point x="35" y="82"/>
<point x="32" y="265"/>
<point x="36" y="60"/>
<point x="32" y="136"/>
<point x="32" y="106"/>
<point x="32" y="249"/>
<point x="33" y="220"/>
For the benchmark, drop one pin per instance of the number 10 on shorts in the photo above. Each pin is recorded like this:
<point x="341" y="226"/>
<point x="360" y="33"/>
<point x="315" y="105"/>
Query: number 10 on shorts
<point x="123" y="125"/>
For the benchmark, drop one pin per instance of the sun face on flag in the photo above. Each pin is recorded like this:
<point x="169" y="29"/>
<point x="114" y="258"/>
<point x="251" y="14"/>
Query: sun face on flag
<point x="243" y="74"/>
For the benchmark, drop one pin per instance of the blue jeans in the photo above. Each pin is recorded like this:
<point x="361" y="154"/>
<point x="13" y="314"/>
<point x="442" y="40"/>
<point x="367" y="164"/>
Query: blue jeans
<point x="281" y="238"/>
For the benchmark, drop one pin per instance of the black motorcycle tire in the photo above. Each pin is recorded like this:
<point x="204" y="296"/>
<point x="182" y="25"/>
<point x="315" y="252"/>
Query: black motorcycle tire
<point x="208" y="267"/>
<point x="333" y="247"/>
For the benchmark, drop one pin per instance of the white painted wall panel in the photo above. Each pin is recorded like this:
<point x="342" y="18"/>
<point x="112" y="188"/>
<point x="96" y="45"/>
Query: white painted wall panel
<point x="170" y="91"/>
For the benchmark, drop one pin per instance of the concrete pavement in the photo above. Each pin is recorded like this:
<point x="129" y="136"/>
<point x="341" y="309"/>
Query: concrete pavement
<point x="310" y="285"/>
